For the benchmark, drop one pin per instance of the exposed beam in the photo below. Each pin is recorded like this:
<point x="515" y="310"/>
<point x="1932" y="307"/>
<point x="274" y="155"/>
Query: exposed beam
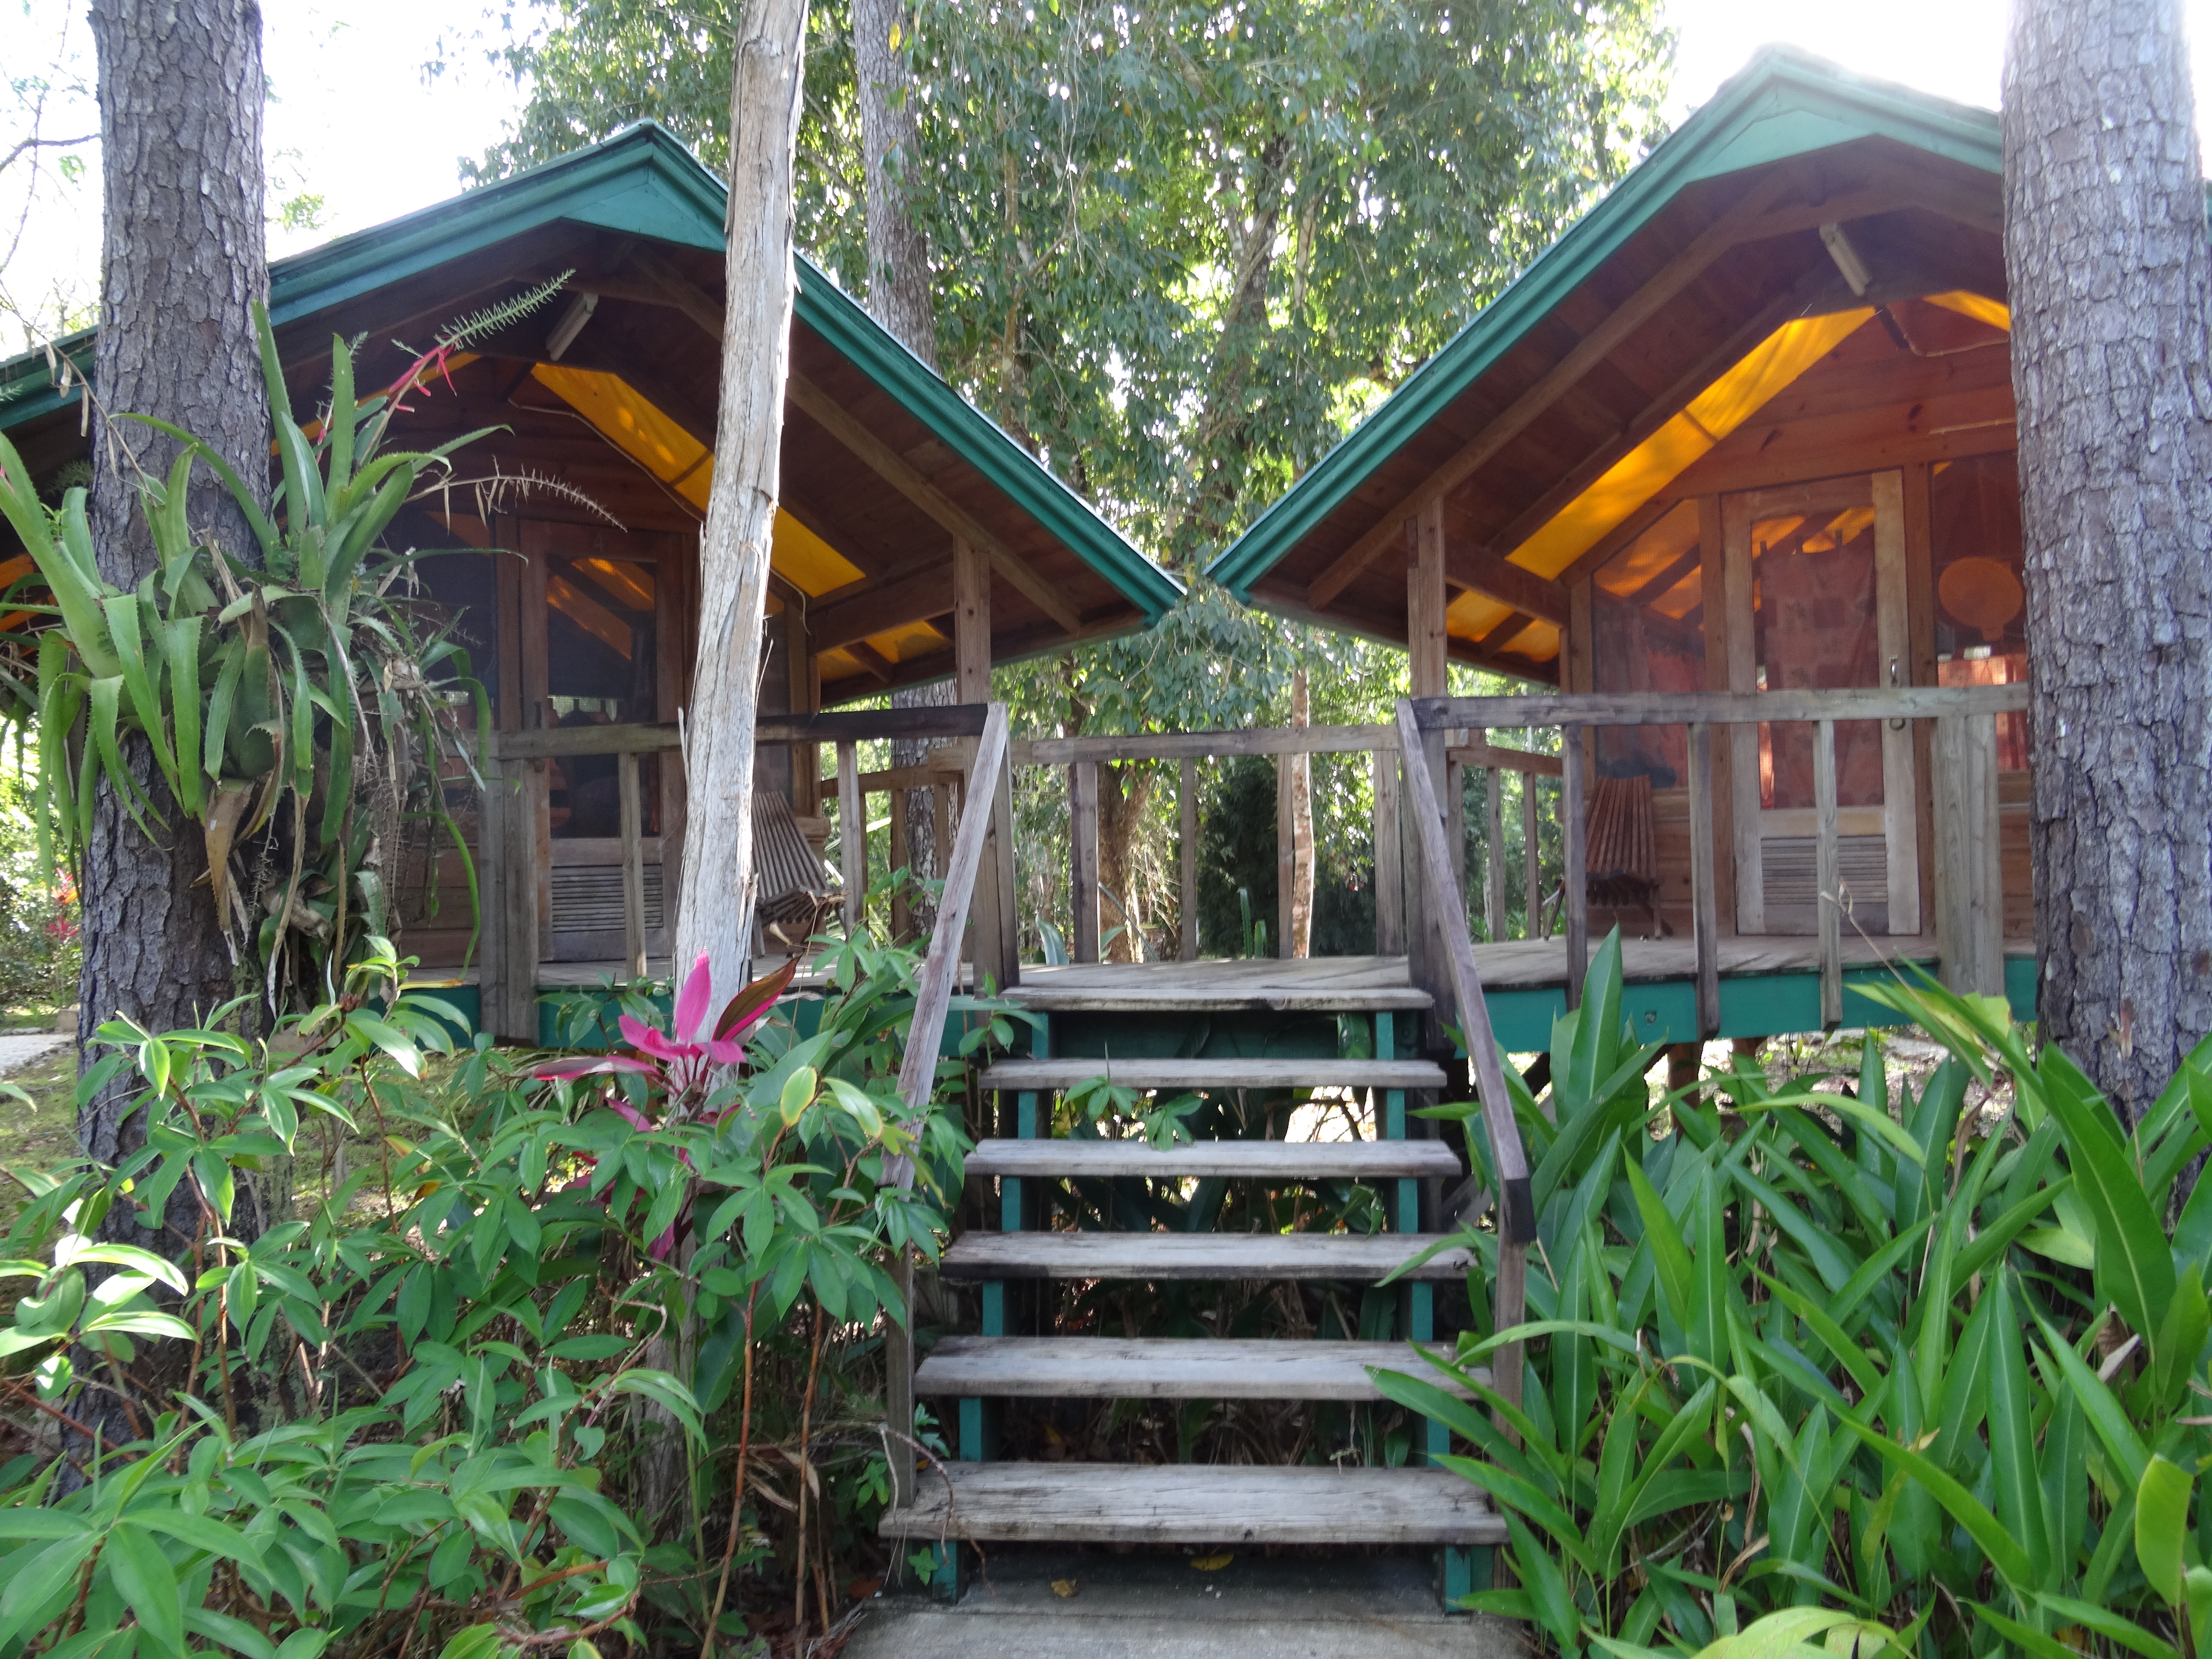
<point x="1665" y="582"/>
<point x="1494" y="637"/>
<point x="914" y="598"/>
<point x="1480" y="569"/>
<point x="902" y="475"/>
<point x="877" y="665"/>
<point x="1759" y="217"/>
<point x="663" y="284"/>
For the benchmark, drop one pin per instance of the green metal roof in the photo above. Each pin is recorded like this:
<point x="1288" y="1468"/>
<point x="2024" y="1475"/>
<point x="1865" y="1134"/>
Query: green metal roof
<point x="1783" y="103"/>
<point x="642" y="181"/>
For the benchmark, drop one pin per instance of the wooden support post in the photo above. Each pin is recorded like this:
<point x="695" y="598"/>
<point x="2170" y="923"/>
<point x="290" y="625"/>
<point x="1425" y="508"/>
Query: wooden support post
<point x="1389" y="862"/>
<point x="1827" y="876"/>
<point x="1083" y="846"/>
<point x="901" y="902"/>
<point x="1969" y="880"/>
<point x="1747" y="859"/>
<point x="1494" y="858"/>
<point x="971" y="625"/>
<point x="852" y="836"/>
<point x="633" y="864"/>
<point x="805" y="697"/>
<point x="1286" y="853"/>
<point x="1532" y="862"/>
<point x="1186" y="892"/>
<point x="1900" y="807"/>
<point x="1704" y="908"/>
<point x="1577" y="907"/>
<point x="1005" y="925"/>
<point x="1455" y="827"/>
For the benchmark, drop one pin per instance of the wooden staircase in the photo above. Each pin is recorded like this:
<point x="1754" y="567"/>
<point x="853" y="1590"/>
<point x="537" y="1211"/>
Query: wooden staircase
<point x="973" y="1499"/>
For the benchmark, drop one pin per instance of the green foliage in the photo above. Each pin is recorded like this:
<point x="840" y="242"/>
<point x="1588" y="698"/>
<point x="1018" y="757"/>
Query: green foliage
<point x="301" y="678"/>
<point x="39" y="949"/>
<point x="1819" y="1359"/>
<point x="416" y="1412"/>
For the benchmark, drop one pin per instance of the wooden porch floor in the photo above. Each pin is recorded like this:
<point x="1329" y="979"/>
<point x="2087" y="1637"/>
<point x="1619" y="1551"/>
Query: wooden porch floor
<point x="1377" y="983"/>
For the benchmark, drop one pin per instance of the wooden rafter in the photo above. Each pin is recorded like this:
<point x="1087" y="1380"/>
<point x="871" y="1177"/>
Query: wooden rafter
<point x="1481" y="571"/>
<point x="879" y="457"/>
<point x="903" y="477"/>
<point x="917" y="596"/>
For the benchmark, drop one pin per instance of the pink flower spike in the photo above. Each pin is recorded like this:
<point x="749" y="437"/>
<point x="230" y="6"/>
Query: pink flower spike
<point x="691" y="1001"/>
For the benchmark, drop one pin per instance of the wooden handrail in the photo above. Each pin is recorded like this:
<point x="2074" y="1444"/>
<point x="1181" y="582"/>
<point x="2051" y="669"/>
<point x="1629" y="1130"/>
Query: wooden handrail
<point x="1516" y="1212"/>
<point x="933" y="997"/>
<point x="1719" y="708"/>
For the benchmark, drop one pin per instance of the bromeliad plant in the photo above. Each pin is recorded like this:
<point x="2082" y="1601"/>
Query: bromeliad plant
<point x="295" y="704"/>
<point x="1838" y="1362"/>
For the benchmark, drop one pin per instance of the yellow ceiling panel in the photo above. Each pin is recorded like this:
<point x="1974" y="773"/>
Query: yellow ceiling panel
<point x="1642" y="559"/>
<point x="911" y="640"/>
<point x="804" y="559"/>
<point x="1666" y="453"/>
<point x="1539" y="642"/>
<point x="1473" y="615"/>
<point x="1978" y="306"/>
<point x="637" y="427"/>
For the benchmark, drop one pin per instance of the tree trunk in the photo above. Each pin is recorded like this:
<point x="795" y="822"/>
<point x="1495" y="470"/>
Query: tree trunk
<point x="1302" y="825"/>
<point x="180" y="105"/>
<point x="899" y="299"/>
<point x="1125" y="789"/>
<point x="2105" y="255"/>
<point x="715" y="912"/>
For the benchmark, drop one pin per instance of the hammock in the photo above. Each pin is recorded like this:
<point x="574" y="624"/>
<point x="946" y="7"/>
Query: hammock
<point x="796" y="889"/>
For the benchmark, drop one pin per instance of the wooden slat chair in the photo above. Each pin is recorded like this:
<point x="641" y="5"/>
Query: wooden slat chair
<point x="796" y="888"/>
<point x="1621" y="854"/>
<point x="1622" y="847"/>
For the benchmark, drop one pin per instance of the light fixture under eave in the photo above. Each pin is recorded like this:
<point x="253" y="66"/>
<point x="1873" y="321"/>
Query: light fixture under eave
<point x="579" y="312"/>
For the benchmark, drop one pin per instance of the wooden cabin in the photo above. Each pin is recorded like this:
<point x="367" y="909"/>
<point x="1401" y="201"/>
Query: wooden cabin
<point x="915" y="540"/>
<point x="1747" y="428"/>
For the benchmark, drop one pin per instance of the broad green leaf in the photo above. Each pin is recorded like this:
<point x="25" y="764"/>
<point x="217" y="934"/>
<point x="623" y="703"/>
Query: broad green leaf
<point x="2006" y="1556"/>
<point x="2162" y="1525"/>
<point x="2012" y="1432"/>
<point x="2135" y="1263"/>
<point x="146" y="1583"/>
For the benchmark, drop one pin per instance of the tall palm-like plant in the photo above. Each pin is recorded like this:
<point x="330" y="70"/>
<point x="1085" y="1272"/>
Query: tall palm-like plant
<point x="314" y="683"/>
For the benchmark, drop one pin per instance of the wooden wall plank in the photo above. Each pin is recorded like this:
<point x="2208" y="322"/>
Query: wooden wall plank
<point x="1827" y="876"/>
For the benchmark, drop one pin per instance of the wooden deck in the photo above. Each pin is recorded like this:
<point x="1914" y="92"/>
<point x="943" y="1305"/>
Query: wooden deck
<point x="1371" y="983"/>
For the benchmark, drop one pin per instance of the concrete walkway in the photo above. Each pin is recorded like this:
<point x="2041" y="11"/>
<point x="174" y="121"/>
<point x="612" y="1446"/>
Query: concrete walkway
<point x="1155" y="1605"/>
<point x="19" y="1049"/>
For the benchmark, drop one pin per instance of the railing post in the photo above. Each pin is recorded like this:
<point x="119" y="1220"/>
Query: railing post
<point x="1703" y="900"/>
<point x="1389" y="860"/>
<point x="1827" y="876"/>
<point x="1082" y="838"/>
<point x="1577" y="881"/>
<point x="1969" y="878"/>
<point x="1187" y="896"/>
<point x="851" y="836"/>
<point x="1286" y="853"/>
<point x="1493" y="862"/>
<point x="633" y="864"/>
<point x="1532" y="862"/>
<point x="902" y="904"/>
<point x="1517" y="1215"/>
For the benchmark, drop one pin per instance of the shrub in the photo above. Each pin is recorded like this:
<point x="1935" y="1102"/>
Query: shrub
<point x="411" y="1413"/>
<point x="1836" y="1361"/>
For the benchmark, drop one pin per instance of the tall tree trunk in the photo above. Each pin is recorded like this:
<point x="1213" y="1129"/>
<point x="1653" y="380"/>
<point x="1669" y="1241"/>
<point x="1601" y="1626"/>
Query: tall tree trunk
<point x="899" y="299"/>
<point x="1302" y="824"/>
<point x="183" y="259"/>
<point x="2106" y="258"/>
<point x="715" y="911"/>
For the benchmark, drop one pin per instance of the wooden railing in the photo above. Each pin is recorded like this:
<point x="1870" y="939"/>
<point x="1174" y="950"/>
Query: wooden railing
<point x="1967" y="883"/>
<point x="1082" y="757"/>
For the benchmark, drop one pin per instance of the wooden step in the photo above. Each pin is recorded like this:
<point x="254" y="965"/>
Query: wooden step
<point x="1166" y="1368"/>
<point x="1195" y="1503"/>
<point x="1047" y="1075"/>
<point x="1252" y="1160"/>
<point x="1195" y="1256"/>
<point x="1305" y="984"/>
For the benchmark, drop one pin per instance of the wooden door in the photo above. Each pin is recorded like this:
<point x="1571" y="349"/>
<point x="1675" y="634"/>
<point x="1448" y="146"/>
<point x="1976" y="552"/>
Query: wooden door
<point x="1813" y="577"/>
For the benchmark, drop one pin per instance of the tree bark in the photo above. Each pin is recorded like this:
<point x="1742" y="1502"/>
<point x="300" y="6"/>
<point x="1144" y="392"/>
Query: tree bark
<point x="899" y="299"/>
<point x="715" y="912"/>
<point x="2106" y="258"/>
<point x="180" y="104"/>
